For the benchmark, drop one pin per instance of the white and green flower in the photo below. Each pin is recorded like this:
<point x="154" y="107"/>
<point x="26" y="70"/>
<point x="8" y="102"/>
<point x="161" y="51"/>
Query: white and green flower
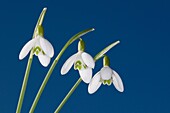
<point x="41" y="48"/>
<point x="105" y="76"/>
<point x="82" y="61"/>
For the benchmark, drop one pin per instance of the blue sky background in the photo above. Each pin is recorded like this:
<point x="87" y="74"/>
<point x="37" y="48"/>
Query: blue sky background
<point x="142" y="58"/>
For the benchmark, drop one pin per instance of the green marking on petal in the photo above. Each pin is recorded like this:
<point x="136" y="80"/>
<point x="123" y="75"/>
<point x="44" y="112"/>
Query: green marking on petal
<point x="36" y="50"/>
<point x="104" y="82"/>
<point x="107" y="82"/>
<point x="78" y="65"/>
<point x="43" y="52"/>
<point x="84" y="66"/>
<point x="78" y="62"/>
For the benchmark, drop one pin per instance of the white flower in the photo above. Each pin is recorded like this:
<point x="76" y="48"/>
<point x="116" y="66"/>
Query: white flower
<point x="83" y="62"/>
<point x="41" y="48"/>
<point x="106" y="76"/>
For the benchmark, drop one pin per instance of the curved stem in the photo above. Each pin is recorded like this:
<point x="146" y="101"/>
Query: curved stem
<point x="68" y="95"/>
<point x="97" y="57"/>
<point x="24" y="84"/>
<point x="75" y="37"/>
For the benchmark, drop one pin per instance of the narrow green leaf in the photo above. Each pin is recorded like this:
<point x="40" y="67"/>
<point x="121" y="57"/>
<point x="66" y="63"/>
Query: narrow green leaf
<point x="78" y="35"/>
<point x="105" y="50"/>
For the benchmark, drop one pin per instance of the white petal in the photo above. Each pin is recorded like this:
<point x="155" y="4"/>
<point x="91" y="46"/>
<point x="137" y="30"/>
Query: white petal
<point x="47" y="47"/>
<point x="95" y="83"/>
<point x="117" y="81"/>
<point x="86" y="74"/>
<point x="44" y="59"/>
<point x="27" y="47"/>
<point x="88" y="59"/>
<point x="68" y="64"/>
<point x="106" y="73"/>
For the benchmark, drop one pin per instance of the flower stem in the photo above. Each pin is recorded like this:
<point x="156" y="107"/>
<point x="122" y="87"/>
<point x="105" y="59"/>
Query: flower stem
<point x="75" y="37"/>
<point x="68" y="95"/>
<point x="24" y="84"/>
<point x="97" y="57"/>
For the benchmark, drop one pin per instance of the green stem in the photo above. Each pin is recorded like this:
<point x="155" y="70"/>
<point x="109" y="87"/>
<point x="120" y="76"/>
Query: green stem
<point x="75" y="37"/>
<point x="27" y="72"/>
<point x="68" y="95"/>
<point x="24" y="84"/>
<point x="97" y="57"/>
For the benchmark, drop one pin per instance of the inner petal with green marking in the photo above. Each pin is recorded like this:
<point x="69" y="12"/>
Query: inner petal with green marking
<point x="78" y="65"/>
<point x="107" y="82"/>
<point x="37" y="50"/>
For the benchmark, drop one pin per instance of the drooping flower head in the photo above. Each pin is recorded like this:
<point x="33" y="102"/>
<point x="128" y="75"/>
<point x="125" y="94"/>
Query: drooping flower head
<point x="41" y="48"/>
<point x="82" y="61"/>
<point x="105" y="76"/>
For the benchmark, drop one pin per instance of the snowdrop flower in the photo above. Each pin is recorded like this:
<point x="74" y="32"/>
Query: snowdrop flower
<point x="83" y="62"/>
<point x="41" y="48"/>
<point x="107" y="76"/>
